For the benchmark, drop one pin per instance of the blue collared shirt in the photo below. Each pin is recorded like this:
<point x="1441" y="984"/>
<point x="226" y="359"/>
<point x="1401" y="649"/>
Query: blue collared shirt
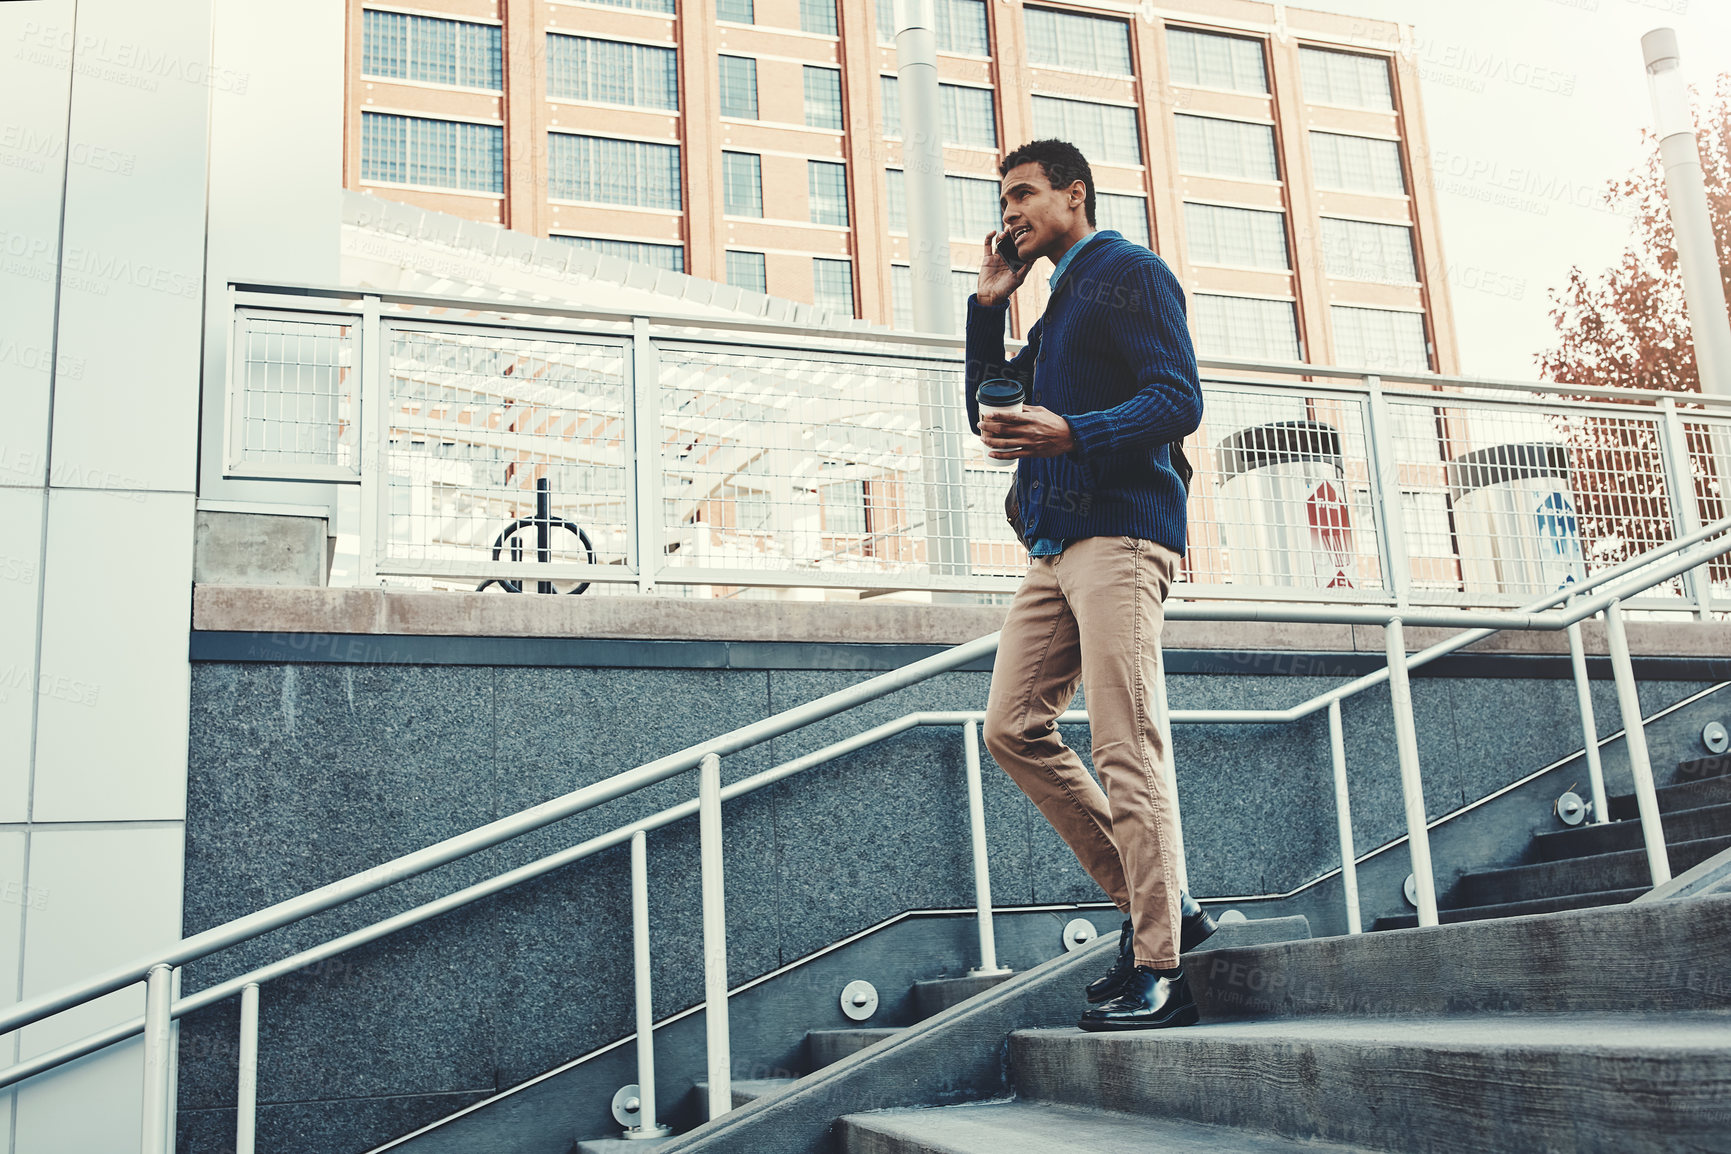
<point x="1052" y="546"/>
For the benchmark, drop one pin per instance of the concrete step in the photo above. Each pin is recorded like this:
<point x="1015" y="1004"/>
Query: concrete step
<point x="1046" y="1128"/>
<point x="1680" y="825"/>
<point x="1624" y="870"/>
<point x="1443" y="1085"/>
<point x="1695" y="768"/>
<point x="1513" y="909"/>
<point x="939" y="994"/>
<point x="1686" y="795"/>
<point x="747" y="1089"/>
<point x="827" y="1047"/>
<point x="1659" y="957"/>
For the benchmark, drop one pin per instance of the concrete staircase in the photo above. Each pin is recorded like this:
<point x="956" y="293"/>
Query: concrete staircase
<point x="1592" y="1030"/>
<point x="1598" y="864"/>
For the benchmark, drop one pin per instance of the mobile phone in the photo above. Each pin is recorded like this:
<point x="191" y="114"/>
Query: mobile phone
<point x="1007" y="250"/>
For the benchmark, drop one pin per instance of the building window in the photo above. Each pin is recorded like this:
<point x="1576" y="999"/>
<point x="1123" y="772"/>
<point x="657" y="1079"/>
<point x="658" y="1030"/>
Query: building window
<point x="746" y="270"/>
<point x="832" y="285"/>
<point x="822" y="97"/>
<point x="1106" y="133"/>
<point x="603" y="171"/>
<point x="432" y="153"/>
<point x="961" y="26"/>
<point x="1248" y="328"/>
<point x="1229" y="148"/>
<point x="972" y="204"/>
<point x="1357" y="164"/>
<point x="844" y="507"/>
<point x="962" y="284"/>
<point x="1348" y="78"/>
<point x="665" y="7"/>
<point x="1380" y="339"/>
<point x="1245" y="237"/>
<point x="1078" y="43"/>
<point x="610" y="72"/>
<point x="739" y="87"/>
<point x="403" y="47"/>
<point x="1366" y="250"/>
<point x="826" y="183"/>
<point x="1207" y="60"/>
<point x="742" y="184"/>
<point x="668" y="256"/>
<point x="1125" y="214"/>
<point x="735" y="11"/>
<point x="969" y="118"/>
<point x="817" y="16"/>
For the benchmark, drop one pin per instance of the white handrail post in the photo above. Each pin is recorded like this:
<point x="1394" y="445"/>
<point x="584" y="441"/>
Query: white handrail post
<point x="375" y="441"/>
<point x="1163" y="719"/>
<point x="1343" y="817"/>
<point x="645" y="531"/>
<point x="1635" y="738"/>
<point x="646" y="1125"/>
<point x="714" y="938"/>
<point x="1685" y="513"/>
<point x="158" y="1018"/>
<point x="246" y="1105"/>
<point x="1589" y="725"/>
<point x="1411" y="783"/>
<point x="1385" y="491"/>
<point x="977" y="838"/>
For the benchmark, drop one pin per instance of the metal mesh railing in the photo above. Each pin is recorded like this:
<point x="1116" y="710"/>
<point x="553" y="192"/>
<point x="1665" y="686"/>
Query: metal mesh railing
<point x="728" y="461"/>
<point x="295" y="396"/>
<point x="487" y="430"/>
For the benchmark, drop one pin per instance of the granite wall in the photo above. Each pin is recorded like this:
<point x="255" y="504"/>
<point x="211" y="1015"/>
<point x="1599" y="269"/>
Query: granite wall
<point x="303" y="773"/>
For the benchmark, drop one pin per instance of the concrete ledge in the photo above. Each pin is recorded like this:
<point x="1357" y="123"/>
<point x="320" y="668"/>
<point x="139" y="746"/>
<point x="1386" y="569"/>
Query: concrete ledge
<point x="262" y="609"/>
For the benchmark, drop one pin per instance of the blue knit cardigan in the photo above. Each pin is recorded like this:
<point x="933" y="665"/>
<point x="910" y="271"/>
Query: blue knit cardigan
<point x="1113" y="356"/>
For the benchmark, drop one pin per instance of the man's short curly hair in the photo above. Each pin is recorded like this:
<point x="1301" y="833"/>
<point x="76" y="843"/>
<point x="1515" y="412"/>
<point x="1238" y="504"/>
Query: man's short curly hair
<point x="1062" y="162"/>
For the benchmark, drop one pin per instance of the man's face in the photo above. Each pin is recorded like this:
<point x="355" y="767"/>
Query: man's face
<point x="1034" y="212"/>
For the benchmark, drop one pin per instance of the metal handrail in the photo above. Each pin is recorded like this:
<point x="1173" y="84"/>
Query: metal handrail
<point x="271" y="295"/>
<point x="1684" y="553"/>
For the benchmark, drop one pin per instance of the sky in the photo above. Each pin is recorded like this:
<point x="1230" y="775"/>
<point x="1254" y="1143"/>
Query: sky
<point x="1532" y="107"/>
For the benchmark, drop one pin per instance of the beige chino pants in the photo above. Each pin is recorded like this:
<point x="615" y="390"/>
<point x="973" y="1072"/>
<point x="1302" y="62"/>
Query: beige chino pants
<point x="1093" y="614"/>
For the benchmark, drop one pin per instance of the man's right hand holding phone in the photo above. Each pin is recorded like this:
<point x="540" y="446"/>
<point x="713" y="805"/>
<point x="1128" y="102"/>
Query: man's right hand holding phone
<point x="999" y="279"/>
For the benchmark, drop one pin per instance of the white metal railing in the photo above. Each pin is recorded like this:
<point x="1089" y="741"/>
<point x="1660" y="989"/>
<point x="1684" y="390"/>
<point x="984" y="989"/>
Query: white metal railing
<point x="1605" y="592"/>
<point x="525" y="443"/>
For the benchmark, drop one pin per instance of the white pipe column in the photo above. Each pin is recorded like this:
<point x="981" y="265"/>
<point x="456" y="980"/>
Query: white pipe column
<point x="1343" y="819"/>
<point x="923" y="166"/>
<point x="646" y="1125"/>
<point x="158" y="999"/>
<point x="1635" y="740"/>
<point x="720" y="1049"/>
<point x="1686" y="189"/>
<point x="1411" y="784"/>
<point x="943" y="420"/>
<point x="977" y="837"/>
<point x="246" y="1101"/>
<point x="1589" y="726"/>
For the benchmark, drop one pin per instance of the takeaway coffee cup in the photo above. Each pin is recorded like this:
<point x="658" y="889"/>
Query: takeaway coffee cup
<point x="1000" y="396"/>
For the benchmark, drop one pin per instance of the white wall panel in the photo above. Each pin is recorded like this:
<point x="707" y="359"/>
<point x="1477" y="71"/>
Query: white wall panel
<point x="112" y="720"/>
<point x="276" y="177"/>
<point x="20" y="585"/>
<point x="35" y="82"/>
<point x="132" y="261"/>
<point x="98" y="897"/>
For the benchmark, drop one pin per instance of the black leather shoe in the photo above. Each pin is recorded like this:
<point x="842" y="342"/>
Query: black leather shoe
<point x="1194" y="928"/>
<point x="1152" y="1000"/>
